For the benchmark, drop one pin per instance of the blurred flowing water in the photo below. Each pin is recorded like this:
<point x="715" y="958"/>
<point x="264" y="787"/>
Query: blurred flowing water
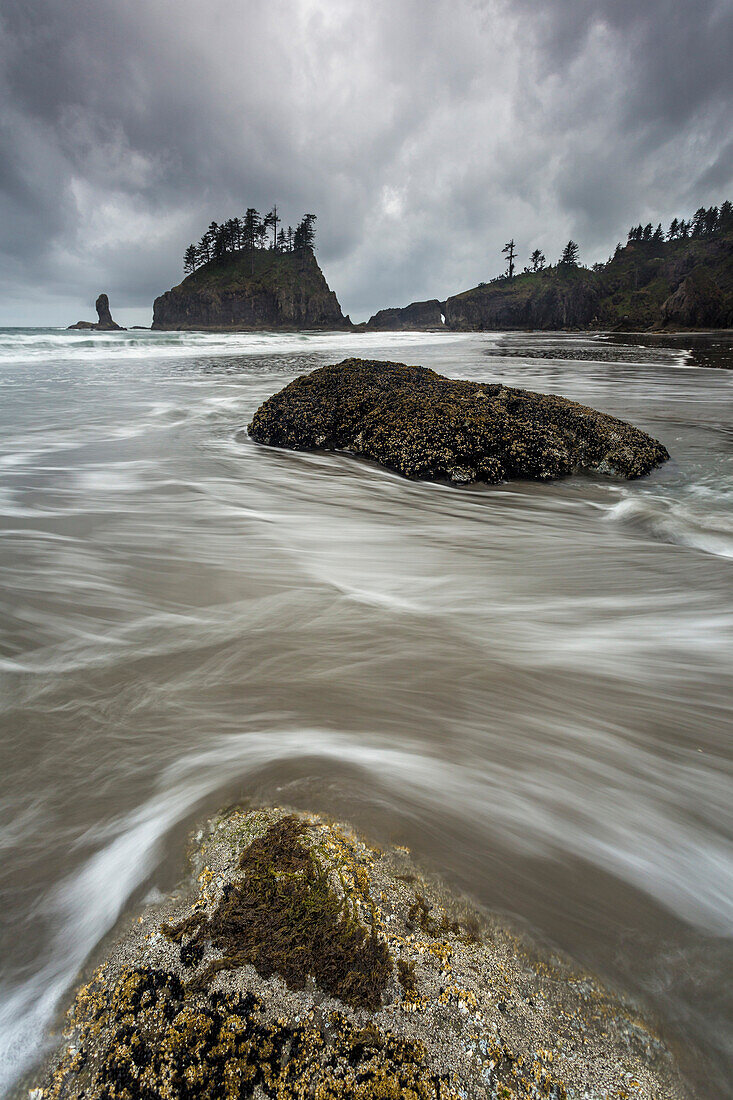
<point x="530" y="685"/>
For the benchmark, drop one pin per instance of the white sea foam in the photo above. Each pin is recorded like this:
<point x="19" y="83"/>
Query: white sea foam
<point x="678" y="521"/>
<point x="58" y="346"/>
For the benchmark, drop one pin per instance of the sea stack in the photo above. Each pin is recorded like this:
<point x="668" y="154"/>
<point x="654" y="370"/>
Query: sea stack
<point x="105" y="322"/>
<point x="258" y="289"/>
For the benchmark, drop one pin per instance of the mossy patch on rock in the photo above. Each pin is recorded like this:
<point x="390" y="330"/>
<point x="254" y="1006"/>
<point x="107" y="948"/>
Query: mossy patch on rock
<point x="426" y="426"/>
<point x="284" y="918"/>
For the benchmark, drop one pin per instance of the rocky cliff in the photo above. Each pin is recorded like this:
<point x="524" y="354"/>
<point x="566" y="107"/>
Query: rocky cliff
<point x="560" y="300"/>
<point x="260" y="290"/>
<point x="647" y="284"/>
<point x="418" y="315"/>
<point x="698" y="302"/>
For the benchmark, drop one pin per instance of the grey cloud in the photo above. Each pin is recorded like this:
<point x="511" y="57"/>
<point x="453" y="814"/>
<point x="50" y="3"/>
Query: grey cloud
<point x="422" y="134"/>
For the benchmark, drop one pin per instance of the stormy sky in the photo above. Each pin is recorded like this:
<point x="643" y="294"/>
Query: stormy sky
<point x="422" y="134"/>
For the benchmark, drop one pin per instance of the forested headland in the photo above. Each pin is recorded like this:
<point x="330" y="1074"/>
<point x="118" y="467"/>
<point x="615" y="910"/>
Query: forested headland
<point x="678" y="277"/>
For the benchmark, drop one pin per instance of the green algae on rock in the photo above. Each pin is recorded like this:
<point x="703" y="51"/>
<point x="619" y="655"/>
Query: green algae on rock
<point x="284" y="918"/>
<point x="426" y="426"/>
<point x="465" y="1008"/>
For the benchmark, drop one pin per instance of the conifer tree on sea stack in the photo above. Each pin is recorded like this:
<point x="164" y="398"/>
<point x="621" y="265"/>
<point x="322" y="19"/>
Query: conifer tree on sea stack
<point x="510" y="253"/>
<point x="570" y="254"/>
<point x="726" y="216"/>
<point x="305" y="233"/>
<point x="537" y="260"/>
<point x="271" y="221"/>
<point x="190" y="259"/>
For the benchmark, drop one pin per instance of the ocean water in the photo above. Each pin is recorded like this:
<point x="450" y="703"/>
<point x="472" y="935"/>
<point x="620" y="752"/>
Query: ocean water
<point x="529" y="685"/>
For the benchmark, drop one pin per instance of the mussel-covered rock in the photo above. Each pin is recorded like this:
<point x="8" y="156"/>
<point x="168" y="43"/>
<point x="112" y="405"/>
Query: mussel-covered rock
<point x="426" y="426"/>
<point x="303" y="962"/>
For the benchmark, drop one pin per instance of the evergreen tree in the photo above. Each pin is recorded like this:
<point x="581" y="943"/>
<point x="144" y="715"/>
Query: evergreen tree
<point x="219" y="237"/>
<point x="289" y="237"/>
<point x="204" y="249"/>
<point x="271" y="221"/>
<point x="510" y="253"/>
<point x="658" y="234"/>
<point x="250" y="229"/>
<point x="647" y="232"/>
<point x="711" y="219"/>
<point x="305" y="233"/>
<point x="726" y="216"/>
<point x="674" y="229"/>
<point x="570" y="255"/>
<point x="190" y="259"/>
<point x="212" y="233"/>
<point x="282" y="241"/>
<point x="537" y="260"/>
<point x="698" y="222"/>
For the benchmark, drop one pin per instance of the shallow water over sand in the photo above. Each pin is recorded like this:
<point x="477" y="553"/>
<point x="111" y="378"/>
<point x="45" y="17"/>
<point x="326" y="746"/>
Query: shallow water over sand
<point x="528" y="684"/>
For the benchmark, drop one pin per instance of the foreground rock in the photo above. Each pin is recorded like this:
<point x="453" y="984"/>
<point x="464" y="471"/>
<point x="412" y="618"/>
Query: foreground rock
<point x="309" y="964"/>
<point x="105" y="322"/>
<point x="252" y="290"/>
<point x="427" y="426"/>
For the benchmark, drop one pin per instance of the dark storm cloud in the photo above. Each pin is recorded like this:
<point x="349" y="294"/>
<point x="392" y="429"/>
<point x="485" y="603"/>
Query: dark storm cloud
<point x="422" y="134"/>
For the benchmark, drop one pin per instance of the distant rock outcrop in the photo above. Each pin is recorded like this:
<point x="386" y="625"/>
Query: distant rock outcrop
<point x="418" y="315"/>
<point x="426" y="426"/>
<point x="105" y="322"/>
<point x="697" y="303"/>
<point x="565" y="300"/>
<point x="252" y="290"/>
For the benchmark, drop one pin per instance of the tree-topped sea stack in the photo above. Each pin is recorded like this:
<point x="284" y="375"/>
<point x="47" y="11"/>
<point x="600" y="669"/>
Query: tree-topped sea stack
<point x="426" y="426"/>
<point x="246" y="274"/>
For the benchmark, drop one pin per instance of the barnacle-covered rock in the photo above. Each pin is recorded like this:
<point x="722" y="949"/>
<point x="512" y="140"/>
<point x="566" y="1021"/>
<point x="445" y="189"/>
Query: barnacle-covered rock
<point x="426" y="426"/>
<point x="309" y="964"/>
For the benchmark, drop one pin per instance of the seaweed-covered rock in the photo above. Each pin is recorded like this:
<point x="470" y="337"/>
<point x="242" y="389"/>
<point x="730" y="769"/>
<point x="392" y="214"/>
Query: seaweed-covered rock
<point x="308" y="964"/>
<point x="426" y="426"/>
